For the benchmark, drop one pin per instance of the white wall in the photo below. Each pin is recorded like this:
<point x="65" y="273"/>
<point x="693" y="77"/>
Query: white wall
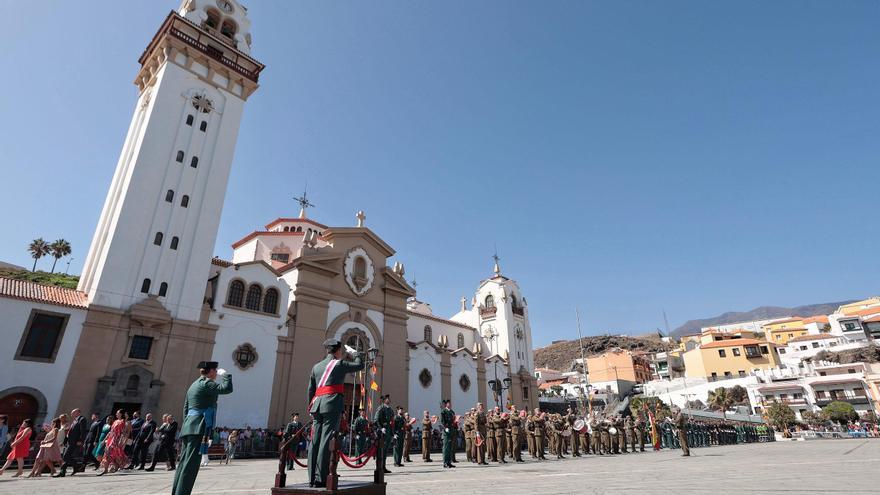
<point x="48" y="378"/>
<point x="421" y="398"/>
<point x="249" y="404"/>
<point x="463" y="364"/>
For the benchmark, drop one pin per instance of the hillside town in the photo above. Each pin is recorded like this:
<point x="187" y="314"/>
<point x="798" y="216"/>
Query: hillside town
<point x="823" y="368"/>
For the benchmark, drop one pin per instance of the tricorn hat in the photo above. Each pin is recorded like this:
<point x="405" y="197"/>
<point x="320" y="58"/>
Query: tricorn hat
<point x="207" y="365"/>
<point x="332" y="343"/>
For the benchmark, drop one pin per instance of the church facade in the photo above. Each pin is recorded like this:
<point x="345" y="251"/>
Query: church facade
<point x="152" y="301"/>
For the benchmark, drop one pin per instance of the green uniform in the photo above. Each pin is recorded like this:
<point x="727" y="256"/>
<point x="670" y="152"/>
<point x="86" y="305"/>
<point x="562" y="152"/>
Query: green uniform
<point x="447" y="418"/>
<point x="383" y="418"/>
<point x="398" y="434"/>
<point x="326" y="411"/>
<point x="292" y="428"/>
<point x="360" y="435"/>
<point x="199" y="411"/>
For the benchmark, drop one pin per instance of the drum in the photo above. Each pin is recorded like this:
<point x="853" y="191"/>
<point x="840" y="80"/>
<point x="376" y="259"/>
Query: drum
<point x="579" y="425"/>
<point x="612" y="430"/>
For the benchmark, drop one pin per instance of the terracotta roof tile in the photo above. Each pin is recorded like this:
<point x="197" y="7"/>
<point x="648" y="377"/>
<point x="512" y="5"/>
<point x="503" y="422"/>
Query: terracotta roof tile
<point x="49" y="294"/>
<point x="816" y="319"/>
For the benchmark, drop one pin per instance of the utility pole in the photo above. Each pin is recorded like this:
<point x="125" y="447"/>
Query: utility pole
<point x="577" y="315"/>
<point x="67" y="269"/>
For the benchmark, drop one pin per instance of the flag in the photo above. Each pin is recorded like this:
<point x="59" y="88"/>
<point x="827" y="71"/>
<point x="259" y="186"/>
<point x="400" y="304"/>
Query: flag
<point x="374" y="386"/>
<point x="373" y="369"/>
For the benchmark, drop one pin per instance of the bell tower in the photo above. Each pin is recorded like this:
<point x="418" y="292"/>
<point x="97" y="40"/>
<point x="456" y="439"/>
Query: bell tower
<point x="156" y="234"/>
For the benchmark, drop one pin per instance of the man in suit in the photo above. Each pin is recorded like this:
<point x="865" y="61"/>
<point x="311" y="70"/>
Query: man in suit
<point x="91" y="440"/>
<point x="384" y="416"/>
<point x="74" y="441"/>
<point x="142" y="442"/>
<point x="199" y="413"/>
<point x="136" y="424"/>
<point x="326" y="402"/>
<point x="167" y="436"/>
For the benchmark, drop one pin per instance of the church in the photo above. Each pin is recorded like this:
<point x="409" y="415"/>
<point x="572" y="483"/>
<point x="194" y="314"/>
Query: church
<point x="153" y="300"/>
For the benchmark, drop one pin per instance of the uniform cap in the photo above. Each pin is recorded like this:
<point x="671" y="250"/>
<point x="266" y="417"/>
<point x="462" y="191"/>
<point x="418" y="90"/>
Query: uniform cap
<point x="208" y="365"/>
<point x="332" y="343"/>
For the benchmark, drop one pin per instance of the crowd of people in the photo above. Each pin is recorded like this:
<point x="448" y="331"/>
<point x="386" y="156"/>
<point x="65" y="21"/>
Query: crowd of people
<point x="125" y="441"/>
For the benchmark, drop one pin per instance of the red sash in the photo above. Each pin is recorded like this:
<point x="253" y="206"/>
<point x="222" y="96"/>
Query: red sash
<point x="330" y="389"/>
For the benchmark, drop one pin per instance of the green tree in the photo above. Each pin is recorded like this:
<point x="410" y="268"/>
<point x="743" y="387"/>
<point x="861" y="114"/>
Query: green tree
<point x="739" y="394"/>
<point x="59" y="249"/>
<point x="38" y="248"/>
<point x="813" y="418"/>
<point x="840" y="412"/>
<point x="721" y="400"/>
<point x="780" y="415"/>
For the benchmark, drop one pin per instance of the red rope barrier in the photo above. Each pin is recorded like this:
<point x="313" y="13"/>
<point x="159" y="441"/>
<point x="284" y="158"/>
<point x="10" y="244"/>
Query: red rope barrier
<point x="367" y="455"/>
<point x="300" y="464"/>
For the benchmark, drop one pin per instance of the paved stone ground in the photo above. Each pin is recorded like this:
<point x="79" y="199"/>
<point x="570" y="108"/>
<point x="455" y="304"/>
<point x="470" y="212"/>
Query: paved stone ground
<point x="822" y="466"/>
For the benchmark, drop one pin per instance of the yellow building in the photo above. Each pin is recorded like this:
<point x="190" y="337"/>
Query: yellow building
<point x="780" y="332"/>
<point x="851" y="308"/>
<point x="714" y="335"/>
<point x="730" y="358"/>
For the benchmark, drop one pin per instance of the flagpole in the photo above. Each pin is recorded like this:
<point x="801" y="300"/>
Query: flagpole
<point x="577" y="315"/>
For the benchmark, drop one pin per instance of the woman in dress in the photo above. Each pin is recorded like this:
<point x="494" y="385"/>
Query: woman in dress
<point x="21" y="446"/>
<point x="100" y="447"/>
<point x="50" y="452"/>
<point x="114" y="451"/>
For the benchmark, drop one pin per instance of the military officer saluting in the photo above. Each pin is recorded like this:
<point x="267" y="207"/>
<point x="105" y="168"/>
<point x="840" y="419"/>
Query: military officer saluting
<point x="326" y="402"/>
<point x="447" y="419"/>
<point x="199" y="413"/>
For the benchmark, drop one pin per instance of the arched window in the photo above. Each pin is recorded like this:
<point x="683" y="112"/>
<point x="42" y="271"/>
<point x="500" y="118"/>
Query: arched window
<point x="145" y="286"/>
<point x="460" y="340"/>
<point x="228" y="29"/>
<point x="194" y="162"/>
<point x="189" y="120"/>
<point x="184" y="201"/>
<point x="270" y="301"/>
<point x="213" y="20"/>
<point x="174" y="241"/>
<point x="169" y="196"/>
<point x="356" y="343"/>
<point x="235" y="295"/>
<point x="254" y="295"/>
<point x="163" y="289"/>
<point x="133" y="384"/>
<point x="490" y="301"/>
<point x="299" y="229"/>
<point x="158" y="239"/>
<point x="428" y="333"/>
<point x="287" y="229"/>
<point x="513" y="303"/>
<point x="180" y="156"/>
<point x="203" y="126"/>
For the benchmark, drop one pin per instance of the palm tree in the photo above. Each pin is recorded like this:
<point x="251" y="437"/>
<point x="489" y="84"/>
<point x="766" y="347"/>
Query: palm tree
<point x="38" y="249"/>
<point x="59" y="249"/>
<point x="721" y="399"/>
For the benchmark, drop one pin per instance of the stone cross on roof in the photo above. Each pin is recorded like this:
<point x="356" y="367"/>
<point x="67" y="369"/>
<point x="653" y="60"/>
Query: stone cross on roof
<point x="303" y="203"/>
<point x="361" y="217"/>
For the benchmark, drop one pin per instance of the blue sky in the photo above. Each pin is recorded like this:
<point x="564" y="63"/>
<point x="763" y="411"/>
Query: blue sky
<point x="625" y="157"/>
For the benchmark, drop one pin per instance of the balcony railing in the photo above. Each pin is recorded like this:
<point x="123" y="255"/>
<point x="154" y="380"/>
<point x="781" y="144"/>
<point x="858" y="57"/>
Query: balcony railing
<point x="488" y="312"/>
<point x="824" y="401"/>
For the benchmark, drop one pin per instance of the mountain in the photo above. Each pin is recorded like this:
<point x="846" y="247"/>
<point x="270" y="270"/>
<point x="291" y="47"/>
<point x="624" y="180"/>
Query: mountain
<point x="763" y="313"/>
<point x="560" y="354"/>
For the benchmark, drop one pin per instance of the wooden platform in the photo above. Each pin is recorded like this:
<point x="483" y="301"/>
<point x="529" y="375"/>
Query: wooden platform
<point x="345" y="487"/>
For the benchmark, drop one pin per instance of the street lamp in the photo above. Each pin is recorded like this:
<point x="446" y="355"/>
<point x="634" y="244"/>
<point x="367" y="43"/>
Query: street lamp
<point x="498" y="387"/>
<point x="372" y="354"/>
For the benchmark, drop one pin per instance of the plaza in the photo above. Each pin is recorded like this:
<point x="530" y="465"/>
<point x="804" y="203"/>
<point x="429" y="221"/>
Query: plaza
<point x="822" y="466"/>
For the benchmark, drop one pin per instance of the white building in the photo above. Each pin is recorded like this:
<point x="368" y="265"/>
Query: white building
<point x="153" y="301"/>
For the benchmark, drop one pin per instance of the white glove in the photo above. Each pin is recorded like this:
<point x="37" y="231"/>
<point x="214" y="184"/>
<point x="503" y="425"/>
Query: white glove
<point x="383" y="431"/>
<point x="221" y="372"/>
<point x="395" y="437"/>
<point x="356" y="437"/>
<point x="350" y="350"/>
<point x="447" y="430"/>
